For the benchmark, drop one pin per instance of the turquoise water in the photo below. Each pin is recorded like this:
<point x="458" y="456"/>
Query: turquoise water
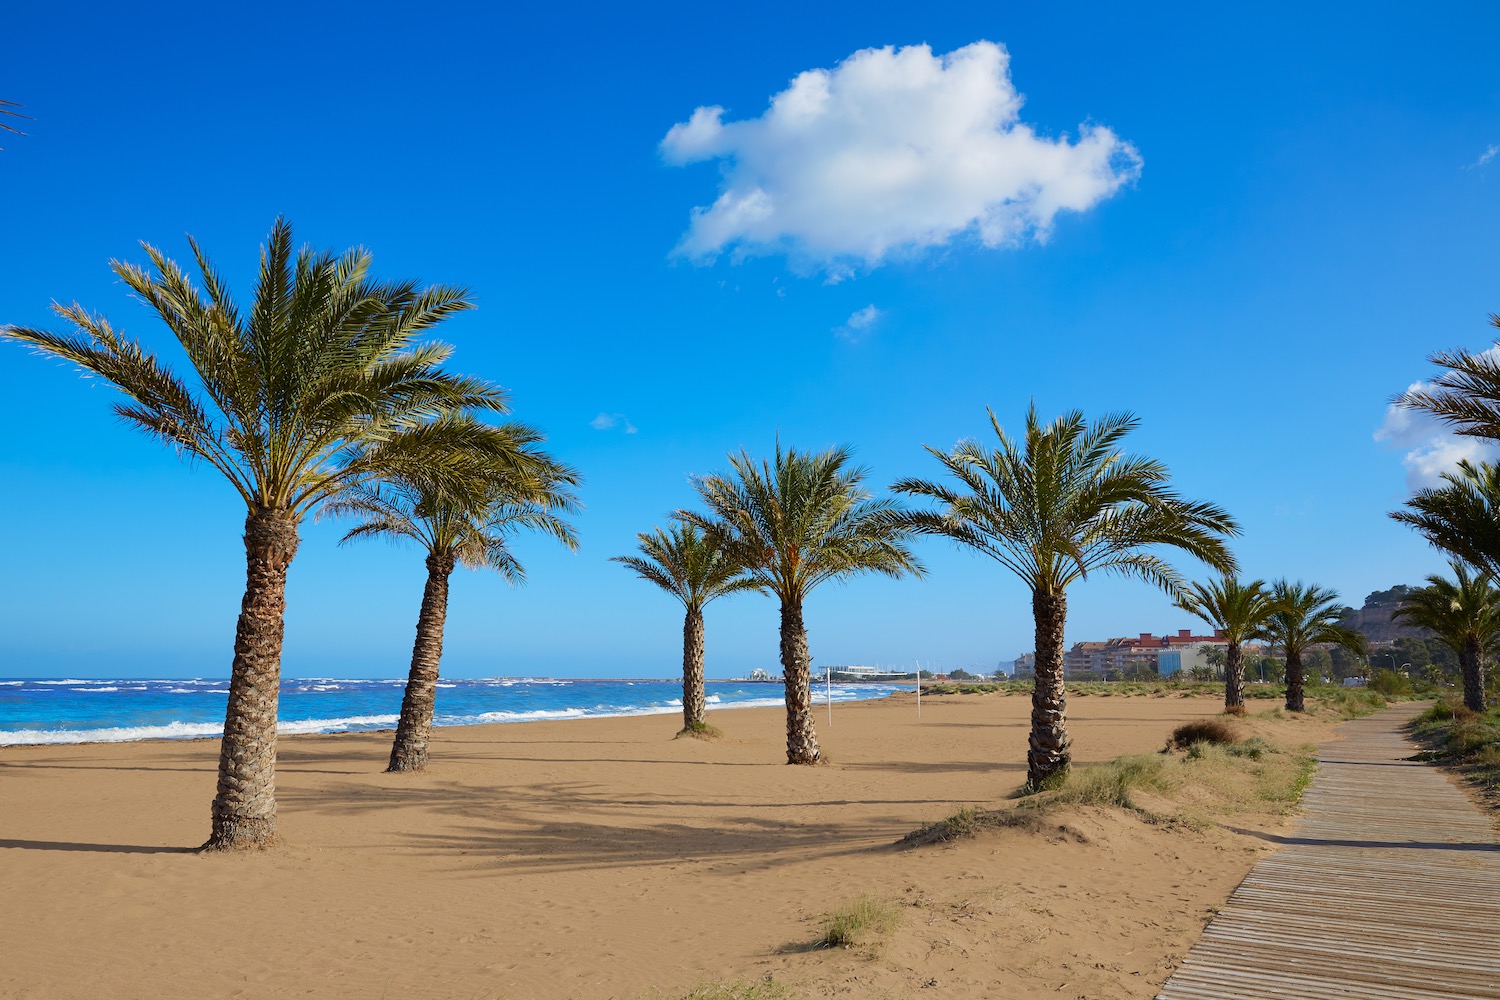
<point x="68" y="710"/>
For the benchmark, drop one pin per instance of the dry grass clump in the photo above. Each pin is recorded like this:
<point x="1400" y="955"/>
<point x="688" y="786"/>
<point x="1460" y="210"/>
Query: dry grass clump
<point x="739" y="989"/>
<point x="968" y="822"/>
<point x="854" y="923"/>
<point x="1219" y="732"/>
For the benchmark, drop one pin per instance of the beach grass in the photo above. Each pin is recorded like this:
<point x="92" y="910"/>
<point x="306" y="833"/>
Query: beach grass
<point x="764" y="988"/>
<point x="700" y="731"/>
<point x="858" y="922"/>
<point x="1463" y="741"/>
<point x="1196" y="784"/>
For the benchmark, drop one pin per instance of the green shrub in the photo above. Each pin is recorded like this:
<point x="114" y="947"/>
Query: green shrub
<point x="1391" y="684"/>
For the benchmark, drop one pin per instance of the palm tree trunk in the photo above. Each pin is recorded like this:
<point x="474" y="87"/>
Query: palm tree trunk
<point x="1234" y="681"/>
<point x="244" y="809"/>
<point x="1294" y="680"/>
<point x="1470" y="664"/>
<point x="409" y="752"/>
<point x="694" y="704"/>
<point x="1049" y="755"/>
<point x="796" y="669"/>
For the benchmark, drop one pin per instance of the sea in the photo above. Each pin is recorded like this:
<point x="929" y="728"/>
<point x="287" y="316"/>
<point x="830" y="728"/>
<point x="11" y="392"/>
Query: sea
<point x="70" y="710"/>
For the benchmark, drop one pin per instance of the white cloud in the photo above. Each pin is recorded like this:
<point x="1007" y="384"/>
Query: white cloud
<point x="859" y="323"/>
<point x="891" y="151"/>
<point x="1431" y="447"/>
<point x="609" y="421"/>
<point x="1485" y="157"/>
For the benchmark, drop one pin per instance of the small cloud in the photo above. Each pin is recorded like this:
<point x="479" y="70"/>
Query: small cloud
<point x="1485" y="157"/>
<point x="860" y="322"/>
<point x="891" y="152"/>
<point x="1431" y="447"/>
<point x="609" y="421"/>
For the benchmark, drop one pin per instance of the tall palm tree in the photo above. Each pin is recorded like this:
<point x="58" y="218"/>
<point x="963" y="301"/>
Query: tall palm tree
<point x="515" y="487"/>
<point x="693" y="566"/>
<point x="1461" y="517"/>
<point x="1065" y="503"/>
<point x="1238" y="610"/>
<point x="1464" y="614"/>
<point x="321" y="384"/>
<point x="796" y="522"/>
<point x="1305" y="615"/>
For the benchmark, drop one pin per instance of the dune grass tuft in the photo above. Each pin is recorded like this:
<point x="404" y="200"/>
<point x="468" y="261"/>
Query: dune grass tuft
<point x="700" y="731"/>
<point x="765" y="988"/>
<point x="856" y="922"/>
<point x="1464" y="741"/>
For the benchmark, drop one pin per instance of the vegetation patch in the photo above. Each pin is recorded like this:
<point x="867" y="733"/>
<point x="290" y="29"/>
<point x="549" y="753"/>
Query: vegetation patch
<point x="858" y="922"/>
<point x="765" y="988"/>
<point x="1204" y="783"/>
<point x="1217" y="731"/>
<point x="1463" y="741"/>
<point x="701" y="731"/>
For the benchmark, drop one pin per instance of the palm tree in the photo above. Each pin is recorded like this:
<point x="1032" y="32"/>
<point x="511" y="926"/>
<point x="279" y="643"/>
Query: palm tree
<point x="320" y="385"/>
<point x="794" y="523"/>
<point x="1239" y="611"/>
<point x="1065" y="504"/>
<point x="1305" y="615"/>
<point x="1461" y="517"/>
<point x="1464" y="614"/>
<point x="511" y="488"/>
<point x="694" y="567"/>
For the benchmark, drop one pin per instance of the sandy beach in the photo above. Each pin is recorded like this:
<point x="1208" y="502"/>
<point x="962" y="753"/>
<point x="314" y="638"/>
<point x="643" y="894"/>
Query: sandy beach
<point x="603" y="859"/>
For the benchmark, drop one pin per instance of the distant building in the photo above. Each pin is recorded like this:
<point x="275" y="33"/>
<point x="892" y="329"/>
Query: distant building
<point x="1147" y="648"/>
<point x="1023" y="666"/>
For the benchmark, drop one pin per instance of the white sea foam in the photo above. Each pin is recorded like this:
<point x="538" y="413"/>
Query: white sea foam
<point x="170" y="731"/>
<point x="334" y="725"/>
<point x="541" y="713"/>
<point x="90" y="690"/>
<point x="11" y="683"/>
<point x="712" y="699"/>
<point x="182" y="731"/>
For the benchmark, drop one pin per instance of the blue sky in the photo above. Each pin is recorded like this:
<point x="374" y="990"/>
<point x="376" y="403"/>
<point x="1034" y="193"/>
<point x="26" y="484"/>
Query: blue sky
<point x="1279" y="217"/>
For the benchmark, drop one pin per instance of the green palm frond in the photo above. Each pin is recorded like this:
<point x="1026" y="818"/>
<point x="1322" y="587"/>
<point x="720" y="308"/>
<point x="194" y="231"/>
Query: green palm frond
<point x="301" y="395"/>
<point x="800" y="519"/>
<point x="1466" y="395"/>
<point x="1240" y="611"/>
<point x="463" y="488"/>
<point x="692" y="565"/>
<point x="5" y="107"/>
<point x="1462" y="517"/>
<point x="1066" y="502"/>
<point x="1305" y="615"/>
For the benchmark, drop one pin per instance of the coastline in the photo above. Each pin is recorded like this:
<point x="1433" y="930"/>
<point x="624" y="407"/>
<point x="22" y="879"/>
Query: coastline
<point x="599" y="858"/>
<point x="39" y="712"/>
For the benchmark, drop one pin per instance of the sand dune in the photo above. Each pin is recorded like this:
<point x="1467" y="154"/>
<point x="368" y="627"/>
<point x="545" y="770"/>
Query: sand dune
<point x="601" y="858"/>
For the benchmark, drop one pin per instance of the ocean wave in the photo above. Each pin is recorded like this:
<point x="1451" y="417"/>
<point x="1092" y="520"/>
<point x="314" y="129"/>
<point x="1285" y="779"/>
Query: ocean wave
<point x="91" y="690"/>
<point x="183" y="731"/>
<point x="11" y="683"/>
<point x="295" y="726"/>
<point x="537" y="714"/>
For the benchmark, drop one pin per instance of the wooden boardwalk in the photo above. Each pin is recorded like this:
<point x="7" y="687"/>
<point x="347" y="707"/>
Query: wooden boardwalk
<point x="1389" y="888"/>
